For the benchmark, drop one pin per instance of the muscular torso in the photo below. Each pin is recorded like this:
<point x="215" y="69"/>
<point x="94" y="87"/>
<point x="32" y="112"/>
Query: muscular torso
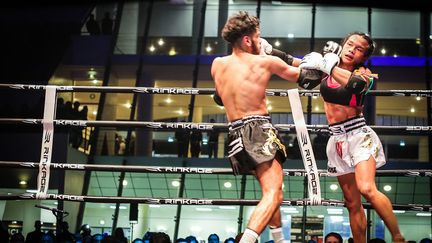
<point x="241" y="81"/>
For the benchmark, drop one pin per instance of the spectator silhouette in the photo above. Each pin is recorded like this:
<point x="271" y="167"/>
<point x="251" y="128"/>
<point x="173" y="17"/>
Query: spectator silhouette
<point x="119" y="236"/>
<point x="17" y="238"/>
<point x="92" y="26"/>
<point x="75" y="135"/>
<point x="107" y="24"/>
<point x="229" y="240"/>
<point x="195" y="143"/>
<point x="36" y="235"/>
<point x="160" y="237"/>
<point x="213" y="141"/>
<point x="191" y="239"/>
<point x="4" y="233"/>
<point x="65" y="235"/>
<point x="333" y="237"/>
<point x="213" y="238"/>
<point x="86" y="234"/>
<point x="182" y="137"/>
<point x="425" y="240"/>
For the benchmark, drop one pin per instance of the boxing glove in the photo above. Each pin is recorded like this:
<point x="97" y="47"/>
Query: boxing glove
<point x="266" y="48"/>
<point x="315" y="60"/>
<point x="332" y="47"/>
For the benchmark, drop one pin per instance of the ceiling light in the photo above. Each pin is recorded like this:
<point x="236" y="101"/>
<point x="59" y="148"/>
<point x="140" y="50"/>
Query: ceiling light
<point x="290" y="35"/>
<point x="412" y="110"/>
<point x="152" y="48"/>
<point x="333" y="187"/>
<point x="277" y="43"/>
<point x="162" y="228"/>
<point x="161" y="42"/>
<point x="395" y="55"/>
<point x="387" y="188"/>
<point x="23" y="182"/>
<point x="101" y="222"/>
<point x="227" y="207"/>
<point x="227" y="184"/>
<point x="402" y="143"/>
<point x="175" y="183"/>
<point x="383" y="51"/>
<point x="320" y="216"/>
<point x="418" y="98"/>
<point x="95" y="113"/>
<point x="204" y="209"/>
<point x="317" y="108"/>
<point x="168" y="100"/>
<point x="172" y="51"/>
<point x="154" y="206"/>
<point x="423" y="214"/>
<point x="170" y="139"/>
<point x="125" y="182"/>
<point x="208" y="49"/>
<point x="398" y="211"/>
<point x="270" y="107"/>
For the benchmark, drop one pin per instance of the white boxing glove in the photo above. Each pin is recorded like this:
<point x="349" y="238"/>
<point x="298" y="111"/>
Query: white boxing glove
<point x="315" y="60"/>
<point x="266" y="48"/>
<point x="332" y="46"/>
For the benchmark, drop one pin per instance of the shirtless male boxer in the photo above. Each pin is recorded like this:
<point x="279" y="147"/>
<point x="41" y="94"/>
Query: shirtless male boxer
<point x="241" y="79"/>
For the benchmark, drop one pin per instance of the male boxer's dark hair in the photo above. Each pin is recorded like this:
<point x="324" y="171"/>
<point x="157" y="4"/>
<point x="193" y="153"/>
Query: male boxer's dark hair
<point x="239" y="25"/>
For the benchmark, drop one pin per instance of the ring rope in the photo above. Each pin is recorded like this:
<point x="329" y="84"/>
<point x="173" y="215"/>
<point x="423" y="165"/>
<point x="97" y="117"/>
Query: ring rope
<point x="203" y="126"/>
<point x="199" y="91"/>
<point x="198" y="201"/>
<point x="305" y="146"/>
<point x="189" y="170"/>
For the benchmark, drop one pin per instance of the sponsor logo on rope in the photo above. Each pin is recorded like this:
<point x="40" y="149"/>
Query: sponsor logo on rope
<point x="188" y="201"/>
<point x="70" y="123"/>
<point x="28" y="195"/>
<point x="30" y="121"/>
<point x="28" y="164"/>
<point x="17" y="86"/>
<point x="185" y="170"/>
<point x="155" y="125"/>
<point x="420" y="207"/>
<point x="153" y="201"/>
<point x="309" y="203"/>
<point x="167" y="91"/>
<point x="68" y="166"/>
<point x="43" y="169"/>
<point x="314" y="183"/>
<point x="190" y="126"/>
<point x="412" y="173"/>
<point x="428" y="173"/>
<point x="65" y="197"/>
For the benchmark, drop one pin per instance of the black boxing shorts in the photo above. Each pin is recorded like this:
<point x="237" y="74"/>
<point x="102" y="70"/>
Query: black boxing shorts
<point x="253" y="140"/>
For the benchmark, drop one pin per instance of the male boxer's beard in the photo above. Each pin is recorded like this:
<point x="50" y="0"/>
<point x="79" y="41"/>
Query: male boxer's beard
<point x="255" y="50"/>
